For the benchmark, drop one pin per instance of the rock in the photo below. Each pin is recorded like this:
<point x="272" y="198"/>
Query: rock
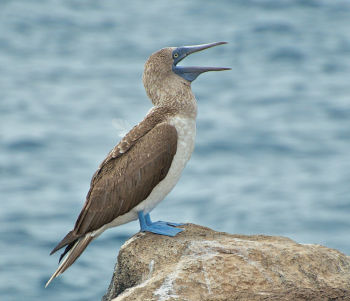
<point x="202" y="264"/>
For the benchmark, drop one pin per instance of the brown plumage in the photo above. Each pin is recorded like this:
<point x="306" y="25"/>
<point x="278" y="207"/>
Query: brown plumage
<point x="165" y="88"/>
<point x="146" y="164"/>
<point x="121" y="183"/>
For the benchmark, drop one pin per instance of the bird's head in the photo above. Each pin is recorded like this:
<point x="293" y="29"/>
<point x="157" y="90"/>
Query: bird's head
<point x="163" y="77"/>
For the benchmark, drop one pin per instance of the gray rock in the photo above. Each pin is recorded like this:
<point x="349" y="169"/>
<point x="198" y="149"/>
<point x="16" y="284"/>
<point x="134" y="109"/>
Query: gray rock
<point x="202" y="264"/>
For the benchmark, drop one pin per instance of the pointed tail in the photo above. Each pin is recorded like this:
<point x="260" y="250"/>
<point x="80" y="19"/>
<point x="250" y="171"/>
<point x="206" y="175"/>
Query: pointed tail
<point x="72" y="255"/>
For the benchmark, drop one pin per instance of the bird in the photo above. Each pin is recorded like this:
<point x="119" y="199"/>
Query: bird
<point x="148" y="161"/>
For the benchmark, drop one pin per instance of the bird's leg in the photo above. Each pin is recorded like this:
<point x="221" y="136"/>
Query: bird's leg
<point x="148" y="219"/>
<point x="162" y="228"/>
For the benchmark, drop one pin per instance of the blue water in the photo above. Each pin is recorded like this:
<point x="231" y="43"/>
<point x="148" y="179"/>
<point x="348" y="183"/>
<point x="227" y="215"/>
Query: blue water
<point x="273" y="139"/>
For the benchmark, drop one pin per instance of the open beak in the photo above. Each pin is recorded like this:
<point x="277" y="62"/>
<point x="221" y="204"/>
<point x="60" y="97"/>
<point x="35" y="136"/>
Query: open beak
<point x="191" y="73"/>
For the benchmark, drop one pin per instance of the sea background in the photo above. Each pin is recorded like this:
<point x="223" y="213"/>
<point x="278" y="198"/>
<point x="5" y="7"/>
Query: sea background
<point x="272" y="150"/>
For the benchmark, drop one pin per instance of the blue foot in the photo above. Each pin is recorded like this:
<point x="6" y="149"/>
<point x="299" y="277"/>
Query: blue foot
<point x="162" y="228"/>
<point x="171" y="223"/>
<point x="149" y="222"/>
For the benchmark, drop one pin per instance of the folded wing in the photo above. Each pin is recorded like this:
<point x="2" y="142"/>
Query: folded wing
<point x="126" y="177"/>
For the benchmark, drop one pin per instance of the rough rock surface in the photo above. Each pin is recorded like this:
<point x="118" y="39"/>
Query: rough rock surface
<point x="202" y="264"/>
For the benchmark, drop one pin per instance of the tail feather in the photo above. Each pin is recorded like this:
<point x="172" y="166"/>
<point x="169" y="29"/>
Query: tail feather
<point x="71" y="237"/>
<point x="73" y="253"/>
<point x="66" y="250"/>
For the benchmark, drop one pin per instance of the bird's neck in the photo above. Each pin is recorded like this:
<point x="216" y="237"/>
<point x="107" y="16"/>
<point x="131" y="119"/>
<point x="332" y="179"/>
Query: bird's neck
<point x="176" y="95"/>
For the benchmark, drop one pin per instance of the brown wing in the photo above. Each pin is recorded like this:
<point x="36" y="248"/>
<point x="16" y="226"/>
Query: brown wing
<point x="124" y="179"/>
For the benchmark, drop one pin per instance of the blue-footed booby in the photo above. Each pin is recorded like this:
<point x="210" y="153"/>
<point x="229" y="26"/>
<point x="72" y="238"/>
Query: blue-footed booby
<point x="147" y="163"/>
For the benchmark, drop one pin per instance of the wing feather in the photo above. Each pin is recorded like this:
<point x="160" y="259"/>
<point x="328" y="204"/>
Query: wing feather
<point x="128" y="180"/>
<point x="123" y="181"/>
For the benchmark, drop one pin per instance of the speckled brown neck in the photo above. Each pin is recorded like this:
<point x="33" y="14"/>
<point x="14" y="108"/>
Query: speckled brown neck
<point x="165" y="88"/>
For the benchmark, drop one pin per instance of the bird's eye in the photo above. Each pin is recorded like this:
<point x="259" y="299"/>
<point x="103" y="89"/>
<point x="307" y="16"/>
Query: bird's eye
<point x="176" y="55"/>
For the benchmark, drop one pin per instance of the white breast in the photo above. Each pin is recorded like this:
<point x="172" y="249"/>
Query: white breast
<point x="186" y="133"/>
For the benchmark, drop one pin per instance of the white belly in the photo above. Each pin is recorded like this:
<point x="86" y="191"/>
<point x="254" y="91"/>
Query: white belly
<point x="186" y="131"/>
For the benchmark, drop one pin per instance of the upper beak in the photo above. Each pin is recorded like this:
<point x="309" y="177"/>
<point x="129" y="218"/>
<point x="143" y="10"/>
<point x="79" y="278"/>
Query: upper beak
<point x="191" y="73"/>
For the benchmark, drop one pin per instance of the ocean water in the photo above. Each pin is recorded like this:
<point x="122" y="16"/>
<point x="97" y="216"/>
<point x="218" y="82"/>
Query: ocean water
<point x="272" y="150"/>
